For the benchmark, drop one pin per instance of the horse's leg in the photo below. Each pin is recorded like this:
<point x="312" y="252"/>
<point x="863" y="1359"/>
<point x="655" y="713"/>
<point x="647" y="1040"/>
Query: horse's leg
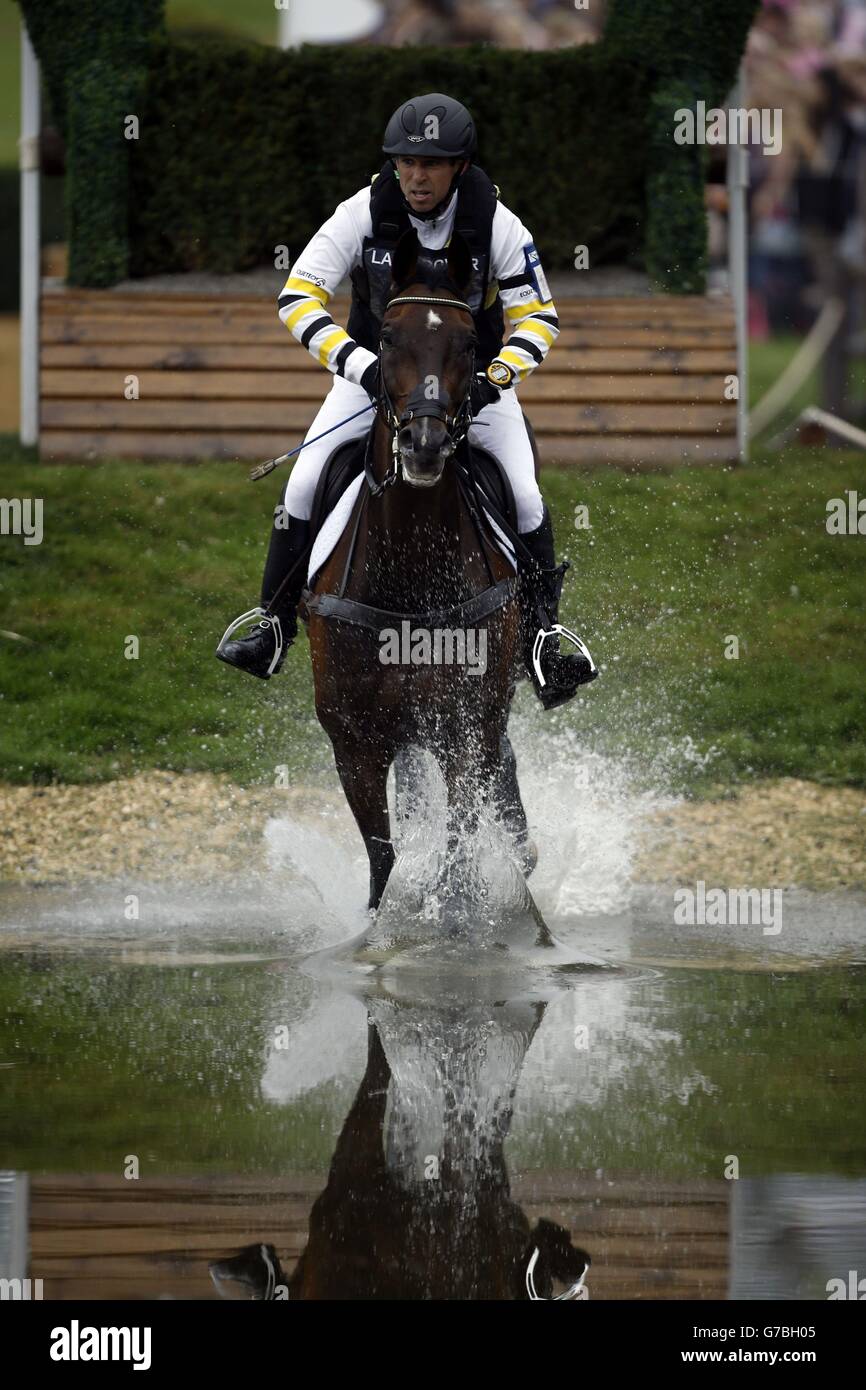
<point x="363" y="771"/>
<point x="511" y="806"/>
<point x="408" y="778"/>
<point x="471" y="781"/>
<point x="494" y="781"/>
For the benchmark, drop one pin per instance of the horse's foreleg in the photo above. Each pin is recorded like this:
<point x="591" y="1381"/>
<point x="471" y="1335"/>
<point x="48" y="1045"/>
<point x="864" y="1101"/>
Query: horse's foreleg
<point x="489" y="777"/>
<point x="471" y="772"/>
<point x="511" y="806"/>
<point x="408" y="781"/>
<point x="363" y="771"/>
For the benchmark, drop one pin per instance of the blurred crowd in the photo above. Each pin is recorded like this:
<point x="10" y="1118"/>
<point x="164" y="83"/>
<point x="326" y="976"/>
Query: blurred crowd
<point x="530" y="24"/>
<point x="808" y="203"/>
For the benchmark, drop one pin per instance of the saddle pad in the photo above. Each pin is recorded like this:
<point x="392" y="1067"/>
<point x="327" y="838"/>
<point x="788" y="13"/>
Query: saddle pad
<point x="333" y="527"/>
<point x="335" y="524"/>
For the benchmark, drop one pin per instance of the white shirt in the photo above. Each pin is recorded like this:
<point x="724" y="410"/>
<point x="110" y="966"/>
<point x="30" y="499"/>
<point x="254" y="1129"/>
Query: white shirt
<point x="338" y="247"/>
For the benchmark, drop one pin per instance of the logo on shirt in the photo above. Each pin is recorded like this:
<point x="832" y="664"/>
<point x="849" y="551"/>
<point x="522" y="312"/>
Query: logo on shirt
<point x="535" y="273"/>
<point x="313" y="279"/>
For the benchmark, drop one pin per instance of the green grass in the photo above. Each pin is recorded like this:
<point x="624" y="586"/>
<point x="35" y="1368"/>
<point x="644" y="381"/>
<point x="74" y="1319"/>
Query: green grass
<point x="768" y="360"/>
<point x="673" y="565"/>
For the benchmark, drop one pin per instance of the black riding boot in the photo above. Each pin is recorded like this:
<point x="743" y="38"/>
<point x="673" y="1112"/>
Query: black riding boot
<point x="289" y="546"/>
<point x="555" y="675"/>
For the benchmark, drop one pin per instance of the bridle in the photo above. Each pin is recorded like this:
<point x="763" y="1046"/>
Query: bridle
<point x="469" y="611"/>
<point x="457" y="425"/>
<point x="473" y="610"/>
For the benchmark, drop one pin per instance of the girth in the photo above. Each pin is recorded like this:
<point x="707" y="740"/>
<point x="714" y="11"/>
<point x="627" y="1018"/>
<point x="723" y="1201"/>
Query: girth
<point x="473" y="610"/>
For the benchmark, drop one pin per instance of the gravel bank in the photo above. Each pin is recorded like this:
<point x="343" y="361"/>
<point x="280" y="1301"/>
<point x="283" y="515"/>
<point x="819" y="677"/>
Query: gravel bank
<point x="171" y="825"/>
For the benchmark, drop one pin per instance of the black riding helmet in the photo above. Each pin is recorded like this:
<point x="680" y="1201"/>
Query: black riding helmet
<point x="431" y="126"/>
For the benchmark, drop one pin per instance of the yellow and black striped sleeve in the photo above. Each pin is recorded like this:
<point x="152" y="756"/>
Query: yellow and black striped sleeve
<point x="534" y="330"/>
<point x="302" y="308"/>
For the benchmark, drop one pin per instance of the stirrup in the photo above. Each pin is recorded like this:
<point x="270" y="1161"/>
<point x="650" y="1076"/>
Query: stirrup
<point x="557" y="629"/>
<point x="249" y="617"/>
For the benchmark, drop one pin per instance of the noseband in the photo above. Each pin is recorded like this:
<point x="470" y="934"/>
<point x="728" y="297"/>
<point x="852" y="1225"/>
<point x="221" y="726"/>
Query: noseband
<point x="418" y="405"/>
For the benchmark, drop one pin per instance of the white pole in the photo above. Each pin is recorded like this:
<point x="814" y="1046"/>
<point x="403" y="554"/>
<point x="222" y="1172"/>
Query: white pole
<point x="738" y="183"/>
<point x="28" y="163"/>
<point x="285" y="37"/>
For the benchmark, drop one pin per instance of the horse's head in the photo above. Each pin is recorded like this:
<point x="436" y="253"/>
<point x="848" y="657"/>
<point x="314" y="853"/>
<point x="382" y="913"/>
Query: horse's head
<point x="428" y="357"/>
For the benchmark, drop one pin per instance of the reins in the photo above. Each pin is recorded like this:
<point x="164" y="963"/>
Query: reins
<point x="481" y="605"/>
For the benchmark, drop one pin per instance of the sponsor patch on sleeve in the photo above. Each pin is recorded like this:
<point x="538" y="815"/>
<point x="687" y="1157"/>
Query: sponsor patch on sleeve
<point x="313" y="279"/>
<point x="535" y="272"/>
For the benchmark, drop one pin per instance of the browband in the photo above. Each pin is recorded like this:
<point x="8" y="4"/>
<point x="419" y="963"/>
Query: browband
<point x="425" y="299"/>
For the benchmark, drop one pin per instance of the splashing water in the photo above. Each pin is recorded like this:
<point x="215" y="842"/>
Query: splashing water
<point x="586" y="812"/>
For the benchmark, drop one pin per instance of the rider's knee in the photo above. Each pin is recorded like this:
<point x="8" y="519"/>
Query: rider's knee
<point x="530" y="508"/>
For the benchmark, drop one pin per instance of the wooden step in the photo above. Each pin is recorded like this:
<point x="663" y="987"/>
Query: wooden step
<point x="243" y="384"/>
<point x="250" y="447"/>
<point x="293" y="416"/>
<point x="290" y="358"/>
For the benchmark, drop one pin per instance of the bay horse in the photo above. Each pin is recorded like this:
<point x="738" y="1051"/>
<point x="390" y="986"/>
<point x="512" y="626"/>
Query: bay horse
<point x="416" y="551"/>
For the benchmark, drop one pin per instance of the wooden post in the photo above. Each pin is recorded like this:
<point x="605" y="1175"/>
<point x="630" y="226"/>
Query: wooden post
<point x="738" y="267"/>
<point x="29" y="165"/>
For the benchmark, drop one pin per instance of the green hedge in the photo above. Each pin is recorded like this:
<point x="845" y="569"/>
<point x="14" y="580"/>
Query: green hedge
<point x="219" y="183"/>
<point x="53" y="224"/>
<point x="94" y="56"/>
<point x="687" y="53"/>
<point x="243" y="147"/>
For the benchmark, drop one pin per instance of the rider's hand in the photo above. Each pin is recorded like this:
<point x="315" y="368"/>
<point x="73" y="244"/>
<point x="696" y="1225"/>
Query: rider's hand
<point x="488" y="386"/>
<point x="370" y="379"/>
<point x="482" y="392"/>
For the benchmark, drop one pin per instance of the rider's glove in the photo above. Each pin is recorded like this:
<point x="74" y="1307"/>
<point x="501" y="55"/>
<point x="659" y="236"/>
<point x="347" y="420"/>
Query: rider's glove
<point x="488" y="386"/>
<point x="370" y="379"/>
<point x="481" y="393"/>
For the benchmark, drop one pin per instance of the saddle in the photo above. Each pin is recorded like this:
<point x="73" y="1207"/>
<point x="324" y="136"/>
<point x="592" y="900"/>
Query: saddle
<point x="347" y="462"/>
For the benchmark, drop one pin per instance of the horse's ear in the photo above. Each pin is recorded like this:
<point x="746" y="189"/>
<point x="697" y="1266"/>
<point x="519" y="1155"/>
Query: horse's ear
<point x="459" y="262"/>
<point x="403" y="268"/>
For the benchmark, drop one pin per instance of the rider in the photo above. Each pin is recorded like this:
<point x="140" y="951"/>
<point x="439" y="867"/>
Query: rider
<point x="428" y="182"/>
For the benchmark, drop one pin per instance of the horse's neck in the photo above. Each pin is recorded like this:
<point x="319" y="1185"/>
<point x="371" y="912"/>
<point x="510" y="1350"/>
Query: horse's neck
<point x="420" y="551"/>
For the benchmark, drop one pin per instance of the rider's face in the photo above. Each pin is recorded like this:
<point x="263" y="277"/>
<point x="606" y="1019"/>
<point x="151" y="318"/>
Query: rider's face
<point x="425" y="181"/>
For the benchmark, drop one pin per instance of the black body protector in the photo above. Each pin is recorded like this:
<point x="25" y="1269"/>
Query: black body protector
<point x="371" y="280"/>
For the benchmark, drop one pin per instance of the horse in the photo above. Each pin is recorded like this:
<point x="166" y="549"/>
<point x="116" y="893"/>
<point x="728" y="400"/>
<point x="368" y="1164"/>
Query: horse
<point x="417" y="551"/>
<point x="418" y="1201"/>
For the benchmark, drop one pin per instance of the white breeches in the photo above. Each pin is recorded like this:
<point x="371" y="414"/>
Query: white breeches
<point x="499" y="428"/>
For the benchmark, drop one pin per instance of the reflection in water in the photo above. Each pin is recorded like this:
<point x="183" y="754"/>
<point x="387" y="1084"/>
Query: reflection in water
<point x="367" y="1157"/>
<point x="418" y="1202"/>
